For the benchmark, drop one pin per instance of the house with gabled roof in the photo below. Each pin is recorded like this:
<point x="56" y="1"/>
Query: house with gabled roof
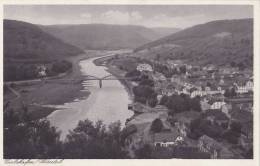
<point x="167" y="139"/>
<point x="243" y="85"/>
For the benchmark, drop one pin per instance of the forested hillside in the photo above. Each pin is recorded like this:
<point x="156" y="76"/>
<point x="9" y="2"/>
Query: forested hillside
<point x="219" y="42"/>
<point x="26" y="45"/>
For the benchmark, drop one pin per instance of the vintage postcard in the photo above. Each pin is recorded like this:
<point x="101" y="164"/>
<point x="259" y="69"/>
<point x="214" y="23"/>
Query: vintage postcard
<point x="121" y="80"/>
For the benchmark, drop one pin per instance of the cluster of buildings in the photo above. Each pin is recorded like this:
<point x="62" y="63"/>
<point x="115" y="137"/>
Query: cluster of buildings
<point x="209" y="83"/>
<point x="226" y="95"/>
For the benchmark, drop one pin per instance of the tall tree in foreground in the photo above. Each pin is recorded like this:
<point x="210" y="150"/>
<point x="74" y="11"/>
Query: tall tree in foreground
<point x="37" y="139"/>
<point x="24" y="138"/>
<point x="94" y="141"/>
<point x="157" y="125"/>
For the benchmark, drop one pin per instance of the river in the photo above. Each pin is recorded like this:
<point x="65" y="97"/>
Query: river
<point x="108" y="103"/>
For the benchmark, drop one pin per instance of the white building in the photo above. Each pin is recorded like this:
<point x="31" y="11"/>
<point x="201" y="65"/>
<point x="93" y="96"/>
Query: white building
<point x="249" y="85"/>
<point x="168" y="140"/>
<point x="217" y="105"/>
<point x="244" y="88"/>
<point x="198" y="93"/>
<point x="144" y="67"/>
<point x="42" y="71"/>
<point x="206" y="92"/>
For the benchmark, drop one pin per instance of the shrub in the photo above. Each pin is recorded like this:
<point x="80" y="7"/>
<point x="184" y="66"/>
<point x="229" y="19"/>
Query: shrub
<point x="156" y="126"/>
<point x="152" y="102"/>
<point x="164" y="100"/>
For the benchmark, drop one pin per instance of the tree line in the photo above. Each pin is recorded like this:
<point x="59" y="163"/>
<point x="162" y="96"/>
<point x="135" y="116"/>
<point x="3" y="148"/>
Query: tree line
<point x="18" y="71"/>
<point x="36" y="139"/>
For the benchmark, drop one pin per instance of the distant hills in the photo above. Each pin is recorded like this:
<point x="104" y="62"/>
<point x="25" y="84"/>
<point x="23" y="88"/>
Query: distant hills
<point x="106" y="36"/>
<point x="27" y="41"/>
<point x="218" y="42"/>
<point x="163" y="31"/>
<point x="27" y="46"/>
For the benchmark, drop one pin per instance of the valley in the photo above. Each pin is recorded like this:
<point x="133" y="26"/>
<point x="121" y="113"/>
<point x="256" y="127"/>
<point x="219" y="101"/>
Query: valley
<point x="130" y="91"/>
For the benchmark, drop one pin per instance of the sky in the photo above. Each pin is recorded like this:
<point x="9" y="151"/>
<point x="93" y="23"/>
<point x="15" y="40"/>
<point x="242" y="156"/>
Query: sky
<point x="178" y="16"/>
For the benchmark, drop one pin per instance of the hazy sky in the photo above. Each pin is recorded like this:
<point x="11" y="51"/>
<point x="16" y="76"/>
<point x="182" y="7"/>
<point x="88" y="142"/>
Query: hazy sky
<point x="181" y="16"/>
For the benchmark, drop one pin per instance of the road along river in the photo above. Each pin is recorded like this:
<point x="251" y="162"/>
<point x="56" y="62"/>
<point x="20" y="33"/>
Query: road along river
<point x="108" y="103"/>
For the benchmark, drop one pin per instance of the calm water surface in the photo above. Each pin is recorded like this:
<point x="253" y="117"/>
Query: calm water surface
<point x="108" y="103"/>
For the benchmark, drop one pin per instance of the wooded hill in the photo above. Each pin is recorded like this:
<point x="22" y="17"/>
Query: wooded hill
<point x="27" y="41"/>
<point x="218" y="42"/>
<point x="26" y="45"/>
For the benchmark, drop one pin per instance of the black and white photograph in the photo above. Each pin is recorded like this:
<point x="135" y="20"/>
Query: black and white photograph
<point x="128" y="81"/>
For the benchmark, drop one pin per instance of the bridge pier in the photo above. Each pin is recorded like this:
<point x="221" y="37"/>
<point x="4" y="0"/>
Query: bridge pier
<point x="100" y="83"/>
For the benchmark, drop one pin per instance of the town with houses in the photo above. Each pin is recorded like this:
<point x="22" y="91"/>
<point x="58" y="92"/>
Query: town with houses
<point x="129" y="81"/>
<point x="218" y="123"/>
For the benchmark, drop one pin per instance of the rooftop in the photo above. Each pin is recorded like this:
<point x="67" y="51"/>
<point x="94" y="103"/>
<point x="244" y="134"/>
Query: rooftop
<point x="160" y="108"/>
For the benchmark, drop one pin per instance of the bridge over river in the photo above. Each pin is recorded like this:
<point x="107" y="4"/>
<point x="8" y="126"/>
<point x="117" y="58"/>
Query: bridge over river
<point x="109" y="103"/>
<point x="90" y="77"/>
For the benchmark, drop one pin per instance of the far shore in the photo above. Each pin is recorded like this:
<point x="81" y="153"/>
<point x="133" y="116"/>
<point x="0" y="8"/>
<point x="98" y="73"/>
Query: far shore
<point x="40" y="97"/>
<point x="37" y="95"/>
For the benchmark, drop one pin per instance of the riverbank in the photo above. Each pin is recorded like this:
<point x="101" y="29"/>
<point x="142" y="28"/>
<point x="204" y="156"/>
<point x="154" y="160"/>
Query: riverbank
<point x="41" y="98"/>
<point x="108" y="104"/>
<point x="117" y="73"/>
<point x="36" y="95"/>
